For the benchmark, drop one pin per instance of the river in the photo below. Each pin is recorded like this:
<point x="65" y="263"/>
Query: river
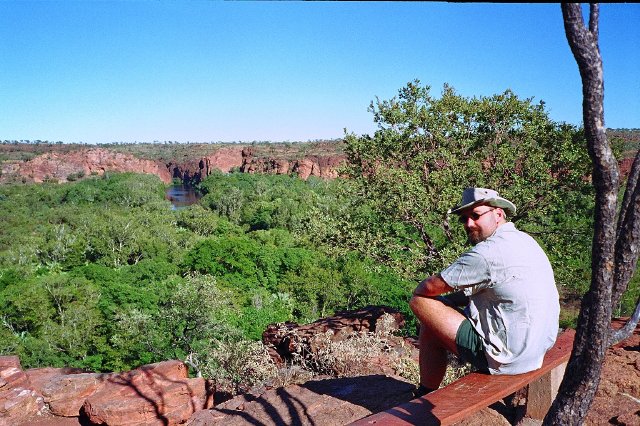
<point x="182" y="196"/>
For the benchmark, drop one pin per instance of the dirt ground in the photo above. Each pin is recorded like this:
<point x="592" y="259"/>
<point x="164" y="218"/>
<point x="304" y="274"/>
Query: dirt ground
<point x="618" y="399"/>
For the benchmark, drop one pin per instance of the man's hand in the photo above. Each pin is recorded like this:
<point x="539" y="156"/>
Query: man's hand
<point x="432" y="286"/>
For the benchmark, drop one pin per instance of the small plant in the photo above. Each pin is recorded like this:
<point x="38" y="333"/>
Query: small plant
<point x="75" y="176"/>
<point x="235" y="367"/>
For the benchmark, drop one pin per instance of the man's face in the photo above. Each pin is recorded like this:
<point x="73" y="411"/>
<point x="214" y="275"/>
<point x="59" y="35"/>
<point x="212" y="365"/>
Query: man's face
<point x="479" y="222"/>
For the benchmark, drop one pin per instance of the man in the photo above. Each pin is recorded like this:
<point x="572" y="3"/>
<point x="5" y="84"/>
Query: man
<point x="506" y="283"/>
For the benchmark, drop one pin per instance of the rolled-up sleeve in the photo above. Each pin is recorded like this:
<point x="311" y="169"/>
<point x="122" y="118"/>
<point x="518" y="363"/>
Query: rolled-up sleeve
<point x="470" y="270"/>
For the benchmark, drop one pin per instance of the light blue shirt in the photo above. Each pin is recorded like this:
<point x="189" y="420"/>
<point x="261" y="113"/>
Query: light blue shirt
<point x="514" y="303"/>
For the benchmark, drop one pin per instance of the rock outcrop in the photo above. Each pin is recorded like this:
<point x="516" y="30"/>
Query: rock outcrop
<point x="67" y="166"/>
<point x="155" y="394"/>
<point x="246" y="160"/>
<point x="62" y="167"/>
<point x="194" y="170"/>
<point x="329" y="402"/>
<point x="162" y="393"/>
<point x="17" y="400"/>
<point x="284" y="340"/>
<point x="325" y="167"/>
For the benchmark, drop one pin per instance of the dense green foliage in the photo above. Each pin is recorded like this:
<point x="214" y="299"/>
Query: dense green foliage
<point x="101" y="273"/>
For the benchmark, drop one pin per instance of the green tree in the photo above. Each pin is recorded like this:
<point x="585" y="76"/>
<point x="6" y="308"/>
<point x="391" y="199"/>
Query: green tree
<point x="56" y="320"/>
<point x="426" y="149"/>
<point x="196" y="312"/>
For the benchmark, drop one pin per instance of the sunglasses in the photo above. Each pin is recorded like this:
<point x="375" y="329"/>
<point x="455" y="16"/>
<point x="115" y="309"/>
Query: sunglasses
<point x="473" y="216"/>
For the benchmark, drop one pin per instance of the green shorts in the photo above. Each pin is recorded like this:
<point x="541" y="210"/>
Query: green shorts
<point x="470" y="347"/>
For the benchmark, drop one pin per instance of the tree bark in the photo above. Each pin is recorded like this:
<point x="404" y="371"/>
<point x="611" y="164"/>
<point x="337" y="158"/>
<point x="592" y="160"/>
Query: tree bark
<point x="614" y="252"/>
<point x="583" y="370"/>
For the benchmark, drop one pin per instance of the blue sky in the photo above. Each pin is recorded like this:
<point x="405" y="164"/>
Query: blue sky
<point x="201" y="71"/>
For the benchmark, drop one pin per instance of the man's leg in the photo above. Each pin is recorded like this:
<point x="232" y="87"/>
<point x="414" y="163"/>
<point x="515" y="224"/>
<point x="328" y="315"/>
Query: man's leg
<point x="439" y="324"/>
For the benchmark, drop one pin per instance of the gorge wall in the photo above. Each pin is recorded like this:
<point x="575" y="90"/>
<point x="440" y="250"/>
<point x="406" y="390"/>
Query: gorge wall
<point x="246" y="160"/>
<point x="67" y="166"/>
<point x="63" y="167"/>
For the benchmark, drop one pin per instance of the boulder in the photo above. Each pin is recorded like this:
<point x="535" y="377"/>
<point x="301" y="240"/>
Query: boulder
<point x="156" y="394"/>
<point x="40" y="377"/>
<point x="17" y="400"/>
<point x="65" y="394"/>
<point x="11" y="374"/>
<point x="284" y="340"/>
<point x="18" y="404"/>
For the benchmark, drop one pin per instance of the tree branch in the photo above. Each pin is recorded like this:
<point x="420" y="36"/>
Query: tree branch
<point x="616" y="336"/>
<point x="594" y="14"/>
<point x="632" y="181"/>
<point x="627" y="235"/>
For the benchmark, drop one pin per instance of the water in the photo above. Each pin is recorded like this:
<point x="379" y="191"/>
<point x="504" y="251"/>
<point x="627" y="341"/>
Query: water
<point x="182" y="196"/>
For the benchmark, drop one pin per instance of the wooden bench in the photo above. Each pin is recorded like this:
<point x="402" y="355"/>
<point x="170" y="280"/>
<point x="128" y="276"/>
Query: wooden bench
<point x="476" y="391"/>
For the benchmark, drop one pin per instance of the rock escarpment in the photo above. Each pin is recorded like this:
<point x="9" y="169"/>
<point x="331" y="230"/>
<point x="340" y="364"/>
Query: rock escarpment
<point x="311" y="165"/>
<point x="194" y="170"/>
<point x="63" y="167"/>
<point x="246" y="160"/>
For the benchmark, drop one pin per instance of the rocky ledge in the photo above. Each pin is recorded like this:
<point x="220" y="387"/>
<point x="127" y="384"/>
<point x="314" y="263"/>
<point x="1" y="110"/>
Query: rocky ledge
<point x="163" y="394"/>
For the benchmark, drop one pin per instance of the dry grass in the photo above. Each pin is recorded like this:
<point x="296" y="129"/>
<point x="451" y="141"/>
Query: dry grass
<point x="238" y="367"/>
<point x="358" y="354"/>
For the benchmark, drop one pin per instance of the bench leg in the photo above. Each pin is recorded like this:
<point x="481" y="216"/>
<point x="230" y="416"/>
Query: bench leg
<point x="543" y="391"/>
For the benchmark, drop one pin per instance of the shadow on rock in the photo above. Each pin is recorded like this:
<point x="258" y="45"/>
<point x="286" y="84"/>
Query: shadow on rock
<point x="375" y="392"/>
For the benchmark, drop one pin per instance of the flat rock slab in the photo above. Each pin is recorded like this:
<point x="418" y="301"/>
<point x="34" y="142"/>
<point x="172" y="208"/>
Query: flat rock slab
<point x="329" y="402"/>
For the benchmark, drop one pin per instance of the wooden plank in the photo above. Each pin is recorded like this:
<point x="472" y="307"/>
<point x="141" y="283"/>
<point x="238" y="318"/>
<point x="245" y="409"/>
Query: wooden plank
<point x="469" y="394"/>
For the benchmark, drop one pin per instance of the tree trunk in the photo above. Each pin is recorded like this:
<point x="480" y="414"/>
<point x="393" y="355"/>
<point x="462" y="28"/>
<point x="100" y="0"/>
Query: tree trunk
<point x="593" y="334"/>
<point x="583" y="371"/>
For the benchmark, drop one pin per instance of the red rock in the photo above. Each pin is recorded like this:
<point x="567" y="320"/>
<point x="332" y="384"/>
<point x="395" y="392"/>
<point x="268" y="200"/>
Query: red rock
<point x="628" y="419"/>
<point x="332" y="402"/>
<point x="17" y="400"/>
<point x="58" y="166"/>
<point x="39" y="377"/>
<point x="65" y="394"/>
<point x="156" y="394"/>
<point x="10" y="361"/>
<point x="167" y="370"/>
<point x="283" y="339"/>
<point x="17" y="404"/>
<point x="224" y="159"/>
<point x="11" y="378"/>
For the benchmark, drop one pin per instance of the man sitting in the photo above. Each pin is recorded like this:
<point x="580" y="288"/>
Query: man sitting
<point x="506" y="284"/>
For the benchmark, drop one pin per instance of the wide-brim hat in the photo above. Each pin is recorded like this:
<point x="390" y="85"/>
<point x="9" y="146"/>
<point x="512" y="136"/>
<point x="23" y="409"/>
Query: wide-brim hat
<point x="472" y="197"/>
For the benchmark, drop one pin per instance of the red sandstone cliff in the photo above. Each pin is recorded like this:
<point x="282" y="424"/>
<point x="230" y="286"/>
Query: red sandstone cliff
<point x="324" y="166"/>
<point x="64" y="166"/>
<point x="61" y="167"/>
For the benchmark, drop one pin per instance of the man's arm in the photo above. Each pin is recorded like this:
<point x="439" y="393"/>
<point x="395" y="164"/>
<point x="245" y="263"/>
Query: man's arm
<point x="457" y="298"/>
<point x="432" y="286"/>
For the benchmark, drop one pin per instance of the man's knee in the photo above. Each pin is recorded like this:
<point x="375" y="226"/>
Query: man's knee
<point x="438" y="320"/>
<point x="421" y="304"/>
